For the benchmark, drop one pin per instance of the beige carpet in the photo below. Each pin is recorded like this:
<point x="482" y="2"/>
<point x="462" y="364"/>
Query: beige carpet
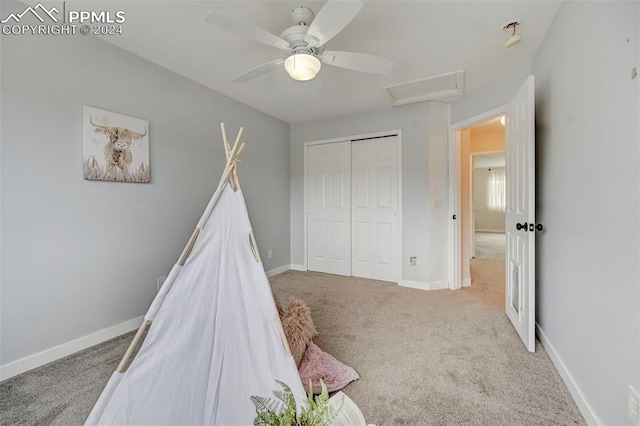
<point x="425" y="358"/>
<point x="490" y="245"/>
<point x="433" y="358"/>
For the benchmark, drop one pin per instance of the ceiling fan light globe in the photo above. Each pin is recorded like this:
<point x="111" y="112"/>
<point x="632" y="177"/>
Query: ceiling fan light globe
<point x="302" y="66"/>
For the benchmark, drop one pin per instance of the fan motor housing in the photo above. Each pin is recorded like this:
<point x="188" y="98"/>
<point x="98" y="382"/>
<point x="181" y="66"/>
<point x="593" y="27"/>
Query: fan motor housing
<point x="295" y="36"/>
<point x="302" y="15"/>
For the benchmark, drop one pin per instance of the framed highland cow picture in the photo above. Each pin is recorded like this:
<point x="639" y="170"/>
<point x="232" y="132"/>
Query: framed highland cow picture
<point x="115" y="147"/>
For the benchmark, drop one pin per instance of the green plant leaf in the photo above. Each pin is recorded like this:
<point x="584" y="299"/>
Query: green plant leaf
<point x="282" y="411"/>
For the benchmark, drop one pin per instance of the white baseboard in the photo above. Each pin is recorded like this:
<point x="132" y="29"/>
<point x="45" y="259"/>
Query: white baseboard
<point x="436" y="285"/>
<point x="49" y="355"/>
<point x="492" y="231"/>
<point x="295" y="267"/>
<point x="583" y="405"/>
<point x="278" y="270"/>
<point x="466" y="282"/>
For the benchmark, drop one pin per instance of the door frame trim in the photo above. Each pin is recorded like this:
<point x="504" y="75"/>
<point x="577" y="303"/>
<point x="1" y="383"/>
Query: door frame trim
<point x="351" y="138"/>
<point x="455" y="233"/>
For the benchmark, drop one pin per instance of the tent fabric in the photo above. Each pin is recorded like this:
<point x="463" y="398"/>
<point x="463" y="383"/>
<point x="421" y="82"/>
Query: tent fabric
<point x="214" y="340"/>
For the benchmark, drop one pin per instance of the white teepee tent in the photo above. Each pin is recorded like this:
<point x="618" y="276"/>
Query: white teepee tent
<point x="214" y="337"/>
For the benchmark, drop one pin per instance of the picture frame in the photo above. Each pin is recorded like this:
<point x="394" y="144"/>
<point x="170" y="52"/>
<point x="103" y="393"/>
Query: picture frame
<point x="115" y="146"/>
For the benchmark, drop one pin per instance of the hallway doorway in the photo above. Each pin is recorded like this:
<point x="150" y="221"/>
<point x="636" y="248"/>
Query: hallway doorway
<point x="520" y="227"/>
<point x="482" y="187"/>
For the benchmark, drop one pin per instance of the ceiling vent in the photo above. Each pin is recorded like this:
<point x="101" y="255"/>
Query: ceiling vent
<point x="440" y="87"/>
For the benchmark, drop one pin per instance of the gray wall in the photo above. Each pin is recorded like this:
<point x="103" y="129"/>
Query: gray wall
<point x="80" y="256"/>
<point x="587" y="196"/>
<point x="438" y="181"/>
<point x="491" y="96"/>
<point x="413" y="121"/>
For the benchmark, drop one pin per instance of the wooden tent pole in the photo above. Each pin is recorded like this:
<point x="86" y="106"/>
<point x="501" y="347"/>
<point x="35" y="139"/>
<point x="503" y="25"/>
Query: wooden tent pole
<point x="233" y="156"/>
<point x="238" y="138"/>
<point x="231" y="163"/>
<point x="227" y="148"/>
<point x="235" y="169"/>
<point x="132" y="346"/>
<point x="225" y="174"/>
<point x="237" y="155"/>
<point x="254" y="243"/>
<point x="283" y="336"/>
<point x="189" y="247"/>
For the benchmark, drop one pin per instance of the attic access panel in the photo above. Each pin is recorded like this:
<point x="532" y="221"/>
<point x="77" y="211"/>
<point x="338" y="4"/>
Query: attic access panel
<point x="439" y="87"/>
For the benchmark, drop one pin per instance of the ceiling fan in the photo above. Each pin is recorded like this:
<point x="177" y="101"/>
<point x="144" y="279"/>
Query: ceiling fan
<point x="304" y="42"/>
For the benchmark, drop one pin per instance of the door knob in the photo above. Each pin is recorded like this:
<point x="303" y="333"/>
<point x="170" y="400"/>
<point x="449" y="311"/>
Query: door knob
<point x="522" y="226"/>
<point x="539" y="227"/>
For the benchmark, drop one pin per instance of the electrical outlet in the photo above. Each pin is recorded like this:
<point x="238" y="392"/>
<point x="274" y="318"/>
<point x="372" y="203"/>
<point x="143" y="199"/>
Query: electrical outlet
<point x="634" y="406"/>
<point x="159" y="282"/>
<point x="269" y="254"/>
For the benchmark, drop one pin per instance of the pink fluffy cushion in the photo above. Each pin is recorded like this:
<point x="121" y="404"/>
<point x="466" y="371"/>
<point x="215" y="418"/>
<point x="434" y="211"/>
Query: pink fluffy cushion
<point x="298" y="327"/>
<point x="317" y="365"/>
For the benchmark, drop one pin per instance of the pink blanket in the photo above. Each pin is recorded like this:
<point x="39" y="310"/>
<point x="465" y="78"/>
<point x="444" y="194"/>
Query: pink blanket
<point x="316" y="365"/>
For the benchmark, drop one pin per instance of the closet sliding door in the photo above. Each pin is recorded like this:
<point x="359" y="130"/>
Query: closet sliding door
<point x="353" y="208"/>
<point x="329" y="208"/>
<point x="375" y="208"/>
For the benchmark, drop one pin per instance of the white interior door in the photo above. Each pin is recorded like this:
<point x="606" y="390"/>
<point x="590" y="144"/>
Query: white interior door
<point x="520" y="213"/>
<point x="375" y="208"/>
<point x="329" y="208"/>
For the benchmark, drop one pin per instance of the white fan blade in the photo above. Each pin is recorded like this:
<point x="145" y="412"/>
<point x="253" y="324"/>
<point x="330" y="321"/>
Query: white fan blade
<point x="358" y="62"/>
<point x="258" y="71"/>
<point x="332" y="18"/>
<point x="246" y="30"/>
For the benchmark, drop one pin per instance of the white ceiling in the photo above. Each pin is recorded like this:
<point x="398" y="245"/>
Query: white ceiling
<point x="489" y="127"/>
<point x="424" y="38"/>
<point x="490" y="160"/>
